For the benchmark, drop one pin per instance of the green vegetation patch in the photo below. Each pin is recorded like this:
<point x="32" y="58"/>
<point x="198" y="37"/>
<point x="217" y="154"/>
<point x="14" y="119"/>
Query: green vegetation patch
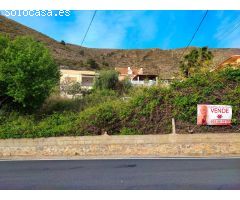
<point x="146" y="111"/>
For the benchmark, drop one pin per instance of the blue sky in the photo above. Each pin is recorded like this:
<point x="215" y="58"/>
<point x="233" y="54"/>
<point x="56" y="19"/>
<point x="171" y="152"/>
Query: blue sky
<point x="141" y="29"/>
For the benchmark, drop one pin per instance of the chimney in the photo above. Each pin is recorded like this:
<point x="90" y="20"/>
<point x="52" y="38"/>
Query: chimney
<point x="129" y="70"/>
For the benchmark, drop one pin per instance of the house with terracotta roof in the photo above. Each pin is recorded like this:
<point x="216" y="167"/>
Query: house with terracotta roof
<point x="233" y="60"/>
<point x="137" y="76"/>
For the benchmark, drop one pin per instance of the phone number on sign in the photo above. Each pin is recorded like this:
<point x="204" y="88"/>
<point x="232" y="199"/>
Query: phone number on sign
<point x="35" y="13"/>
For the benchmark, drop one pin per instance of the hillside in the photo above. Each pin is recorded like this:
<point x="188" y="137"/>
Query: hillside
<point x="163" y="62"/>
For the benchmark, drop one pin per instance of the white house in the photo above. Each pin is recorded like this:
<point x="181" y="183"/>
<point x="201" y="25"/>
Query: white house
<point x="137" y="76"/>
<point x="85" y="78"/>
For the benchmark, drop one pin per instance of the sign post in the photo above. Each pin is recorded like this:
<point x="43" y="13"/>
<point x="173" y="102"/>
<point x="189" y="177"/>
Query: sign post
<point x="173" y="126"/>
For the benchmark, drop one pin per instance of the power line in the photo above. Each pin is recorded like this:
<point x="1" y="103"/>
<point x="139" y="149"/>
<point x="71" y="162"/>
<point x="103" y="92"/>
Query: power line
<point x="234" y="29"/>
<point x="89" y="27"/>
<point x="235" y="26"/>
<point x="195" y="33"/>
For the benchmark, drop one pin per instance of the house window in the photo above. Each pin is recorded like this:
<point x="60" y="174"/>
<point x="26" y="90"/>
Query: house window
<point x="87" y="81"/>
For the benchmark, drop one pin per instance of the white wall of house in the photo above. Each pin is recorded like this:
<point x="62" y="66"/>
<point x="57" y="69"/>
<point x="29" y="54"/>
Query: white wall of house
<point x="85" y="78"/>
<point x="77" y="75"/>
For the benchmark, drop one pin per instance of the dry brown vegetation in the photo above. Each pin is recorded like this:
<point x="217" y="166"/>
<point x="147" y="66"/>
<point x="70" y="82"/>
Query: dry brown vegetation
<point x="163" y="62"/>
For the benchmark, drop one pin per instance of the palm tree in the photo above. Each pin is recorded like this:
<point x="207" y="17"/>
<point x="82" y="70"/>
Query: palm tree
<point x="196" y="61"/>
<point x="206" y="57"/>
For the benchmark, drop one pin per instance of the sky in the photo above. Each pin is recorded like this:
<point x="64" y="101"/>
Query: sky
<point x="141" y="29"/>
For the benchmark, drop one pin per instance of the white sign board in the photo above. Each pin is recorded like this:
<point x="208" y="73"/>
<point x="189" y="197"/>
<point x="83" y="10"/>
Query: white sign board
<point x="214" y="114"/>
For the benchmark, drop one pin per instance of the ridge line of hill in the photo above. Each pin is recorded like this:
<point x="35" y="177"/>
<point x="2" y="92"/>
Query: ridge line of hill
<point x="153" y="60"/>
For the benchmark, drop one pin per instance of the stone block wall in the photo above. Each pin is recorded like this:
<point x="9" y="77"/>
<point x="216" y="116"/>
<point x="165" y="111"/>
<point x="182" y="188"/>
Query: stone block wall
<point x="169" y="145"/>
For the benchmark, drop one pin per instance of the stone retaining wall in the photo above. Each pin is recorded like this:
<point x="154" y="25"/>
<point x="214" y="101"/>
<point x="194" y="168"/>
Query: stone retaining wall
<point x="123" y="146"/>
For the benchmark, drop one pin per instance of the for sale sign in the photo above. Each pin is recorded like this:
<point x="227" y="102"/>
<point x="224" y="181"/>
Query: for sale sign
<point x="214" y="114"/>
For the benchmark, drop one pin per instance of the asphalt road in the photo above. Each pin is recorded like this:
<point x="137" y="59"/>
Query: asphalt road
<point x="121" y="174"/>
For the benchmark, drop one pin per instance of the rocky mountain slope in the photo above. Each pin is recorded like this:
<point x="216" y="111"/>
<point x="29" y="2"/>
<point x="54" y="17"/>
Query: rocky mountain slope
<point x="163" y="62"/>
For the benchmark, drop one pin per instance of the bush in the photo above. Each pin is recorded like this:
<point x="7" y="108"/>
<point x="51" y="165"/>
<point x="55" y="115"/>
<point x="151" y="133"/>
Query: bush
<point x="99" y="96"/>
<point x="96" y="120"/>
<point x="124" y="86"/>
<point x="214" y="88"/>
<point x="81" y="52"/>
<point x="57" y="104"/>
<point x="62" y="42"/>
<point x="28" y="73"/>
<point x="71" y="88"/>
<point x="107" y="80"/>
<point x="18" y="126"/>
<point x="92" y="64"/>
<point x="129" y="131"/>
<point x="57" y="125"/>
<point x="136" y="116"/>
<point x="148" y="111"/>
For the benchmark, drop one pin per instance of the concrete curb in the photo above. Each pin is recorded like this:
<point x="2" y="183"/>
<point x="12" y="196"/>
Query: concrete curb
<point x="9" y="159"/>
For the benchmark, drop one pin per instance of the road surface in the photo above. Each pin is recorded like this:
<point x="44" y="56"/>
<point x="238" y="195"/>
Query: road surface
<point x="121" y="174"/>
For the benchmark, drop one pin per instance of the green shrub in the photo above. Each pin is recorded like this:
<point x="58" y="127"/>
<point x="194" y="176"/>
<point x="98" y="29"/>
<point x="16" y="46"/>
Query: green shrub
<point x="147" y="111"/>
<point x="98" y="119"/>
<point x="60" y="104"/>
<point x="107" y="80"/>
<point x="124" y="86"/>
<point x="129" y="131"/>
<point x="212" y="88"/>
<point x="90" y="63"/>
<point x="63" y="42"/>
<point x="56" y="125"/>
<point x="17" y="126"/>
<point x="99" y="96"/>
<point x="28" y="73"/>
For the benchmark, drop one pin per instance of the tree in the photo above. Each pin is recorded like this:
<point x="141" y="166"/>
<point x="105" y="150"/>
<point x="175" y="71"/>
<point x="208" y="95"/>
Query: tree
<point x="63" y="42"/>
<point x="124" y="86"/>
<point x="107" y="80"/>
<point x="92" y="64"/>
<point x="198" y="60"/>
<point x="105" y="64"/>
<point x="81" y="52"/>
<point x="28" y="72"/>
<point x="71" y="88"/>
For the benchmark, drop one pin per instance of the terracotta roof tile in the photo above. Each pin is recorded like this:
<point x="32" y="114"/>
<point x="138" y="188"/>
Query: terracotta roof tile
<point x="231" y="59"/>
